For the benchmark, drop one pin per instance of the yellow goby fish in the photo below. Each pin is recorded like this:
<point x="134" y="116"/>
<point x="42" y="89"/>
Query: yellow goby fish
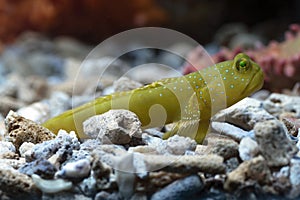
<point x="190" y="100"/>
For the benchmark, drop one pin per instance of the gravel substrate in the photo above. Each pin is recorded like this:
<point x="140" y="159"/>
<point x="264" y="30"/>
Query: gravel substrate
<point x="251" y="152"/>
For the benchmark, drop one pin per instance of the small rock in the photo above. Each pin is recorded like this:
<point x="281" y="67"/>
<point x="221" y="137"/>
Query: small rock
<point x="108" y="153"/>
<point x="20" y="129"/>
<point x="55" y="159"/>
<point x="62" y="145"/>
<point x="10" y="155"/>
<point x="200" y="149"/>
<point x="155" y="131"/>
<point x="51" y="186"/>
<point x="16" y="184"/>
<point x="160" y="179"/>
<point x="90" y="145"/>
<point x="107" y="196"/>
<point x="212" y="164"/>
<point x="80" y="155"/>
<point x="245" y="114"/>
<point x="281" y="181"/>
<point x="101" y="173"/>
<point x="295" y="177"/>
<point x="231" y="131"/>
<point x="102" y="195"/>
<point x="6" y="147"/>
<point x="291" y="127"/>
<point x="224" y="147"/>
<point x="277" y="104"/>
<point x="125" y="84"/>
<point x="176" y="145"/>
<point x="231" y="164"/>
<point x="12" y="162"/>
<point x="273" y="142"/>
<point x="25" y="149"/>
<point x="144" y="149"/>
<point x="180" y="189"/>
<point x="76" y="170"/>
<point x="40" y="167"/>
<point x="291" y="122"/>
<point x="86" y="148"/>
<point x="88" y="186"/>
<point x="114" y="126"/>
<point x="248" y="149"/>
<point x="249" y="172"/>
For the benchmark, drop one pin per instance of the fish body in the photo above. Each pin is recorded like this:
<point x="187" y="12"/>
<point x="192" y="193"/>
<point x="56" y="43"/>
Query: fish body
<point x="189" y="100"/>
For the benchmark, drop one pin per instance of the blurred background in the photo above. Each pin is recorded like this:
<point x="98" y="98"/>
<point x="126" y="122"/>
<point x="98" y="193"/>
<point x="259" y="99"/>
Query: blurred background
<point x="43" y="44"/>
<point x="92" y="21"/>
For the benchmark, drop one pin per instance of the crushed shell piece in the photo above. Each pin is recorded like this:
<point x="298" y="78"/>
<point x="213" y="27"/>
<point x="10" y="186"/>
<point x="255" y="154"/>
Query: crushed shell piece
<point x="51" y="186"/>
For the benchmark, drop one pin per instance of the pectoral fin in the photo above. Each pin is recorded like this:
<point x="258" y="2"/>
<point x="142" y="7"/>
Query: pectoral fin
<point x="194" y="129"/>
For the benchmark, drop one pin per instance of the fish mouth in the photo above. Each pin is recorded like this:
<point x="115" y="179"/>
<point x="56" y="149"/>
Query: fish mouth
<point x="255" y="84"/>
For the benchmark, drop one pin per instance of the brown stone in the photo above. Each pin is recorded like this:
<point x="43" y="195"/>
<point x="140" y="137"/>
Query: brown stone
<point x="212" y="164"/>
<point x="222" y="146"/>
<point x="249" y="172"/>
<point x="20" y="129"/>
<point x="15" y="183"/>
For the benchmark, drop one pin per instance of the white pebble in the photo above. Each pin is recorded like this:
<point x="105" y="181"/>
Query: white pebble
<point x="248" y="148"/>
<point x="25" y="148"/>
<point x="78" y="169"/>
<point x="6" y="147"/>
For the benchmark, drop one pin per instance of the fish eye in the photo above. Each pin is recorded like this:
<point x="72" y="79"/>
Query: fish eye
<point x="242" y="65"/>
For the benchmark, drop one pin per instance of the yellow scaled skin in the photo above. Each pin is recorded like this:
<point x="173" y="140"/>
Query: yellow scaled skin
<point x="189" y="100"/>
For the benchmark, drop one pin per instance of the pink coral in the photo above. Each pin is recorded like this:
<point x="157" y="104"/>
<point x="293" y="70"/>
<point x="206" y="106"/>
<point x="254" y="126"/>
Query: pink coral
<point x="280" y="61"/>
